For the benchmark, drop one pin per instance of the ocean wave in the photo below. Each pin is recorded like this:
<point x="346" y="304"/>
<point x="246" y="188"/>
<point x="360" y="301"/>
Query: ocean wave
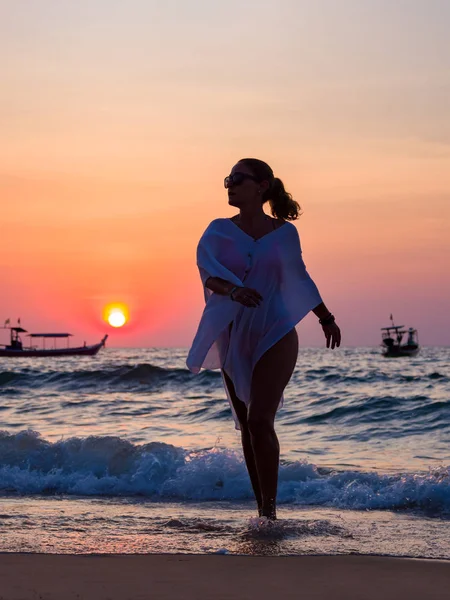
<point x="131" y="377"/>
<point x="393" y="416"/>
<point x="331" y="375"/>
<point x="112" y="466"/>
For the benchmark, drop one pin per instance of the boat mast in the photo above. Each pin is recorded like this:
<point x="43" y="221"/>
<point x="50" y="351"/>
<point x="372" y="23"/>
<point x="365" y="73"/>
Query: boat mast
<point x="396" y="329"/>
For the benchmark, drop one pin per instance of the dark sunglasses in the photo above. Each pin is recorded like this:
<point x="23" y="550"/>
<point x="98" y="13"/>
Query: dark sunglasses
<point x="237" y="179"/>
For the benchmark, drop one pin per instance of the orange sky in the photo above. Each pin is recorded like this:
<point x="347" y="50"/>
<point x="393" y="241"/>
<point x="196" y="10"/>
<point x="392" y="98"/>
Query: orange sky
<point x="119" y="123"/>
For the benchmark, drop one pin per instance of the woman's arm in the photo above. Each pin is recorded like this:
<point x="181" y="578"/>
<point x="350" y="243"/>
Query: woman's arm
<point x="244" y="295"/>
<point x="219" y="286"/>
<point x="321" y="311"/>
<point x="329" y="326"/>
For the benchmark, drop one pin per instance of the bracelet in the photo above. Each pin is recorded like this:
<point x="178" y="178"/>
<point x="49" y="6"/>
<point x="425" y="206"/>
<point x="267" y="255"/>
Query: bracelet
<point x="236" y="287"/>
<point x="328" y="320"/>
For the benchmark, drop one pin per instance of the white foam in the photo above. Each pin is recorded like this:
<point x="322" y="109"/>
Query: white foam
<point x="112" y="466"/>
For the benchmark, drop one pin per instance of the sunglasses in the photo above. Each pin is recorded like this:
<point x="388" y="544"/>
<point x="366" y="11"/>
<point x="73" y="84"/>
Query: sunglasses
<point x="237" y="179"/>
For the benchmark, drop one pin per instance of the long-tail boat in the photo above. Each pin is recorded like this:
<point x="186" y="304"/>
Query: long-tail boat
<point x="16" y="349"/>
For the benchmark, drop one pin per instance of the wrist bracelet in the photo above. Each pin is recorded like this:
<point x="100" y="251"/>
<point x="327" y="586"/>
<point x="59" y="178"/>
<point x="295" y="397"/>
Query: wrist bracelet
<point x="329" y="320"/>
<point x="236" y="287"/>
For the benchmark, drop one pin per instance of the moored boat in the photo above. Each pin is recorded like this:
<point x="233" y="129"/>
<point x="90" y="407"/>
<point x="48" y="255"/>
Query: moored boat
<point x="392" y="338"/>
<point x="16" y="349"/>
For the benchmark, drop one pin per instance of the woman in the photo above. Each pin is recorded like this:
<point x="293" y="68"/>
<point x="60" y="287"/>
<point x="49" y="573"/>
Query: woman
<point x="256" y="290"/>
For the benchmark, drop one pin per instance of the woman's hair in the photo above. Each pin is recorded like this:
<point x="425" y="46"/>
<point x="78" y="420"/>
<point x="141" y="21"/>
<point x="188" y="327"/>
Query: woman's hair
<point x="282" y="205"/>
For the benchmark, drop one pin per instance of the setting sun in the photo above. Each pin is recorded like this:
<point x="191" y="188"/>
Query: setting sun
<point x="116" y="318"/>
<point x="116" y="314"/>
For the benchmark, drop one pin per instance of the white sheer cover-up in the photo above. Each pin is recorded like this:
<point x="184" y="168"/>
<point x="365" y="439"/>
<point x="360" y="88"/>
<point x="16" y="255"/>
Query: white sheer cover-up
<point x="272" y="265"/>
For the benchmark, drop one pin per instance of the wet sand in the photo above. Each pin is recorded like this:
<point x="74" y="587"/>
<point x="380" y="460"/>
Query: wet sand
<point x="171" y="576"/>
<point x="50" y="577"/>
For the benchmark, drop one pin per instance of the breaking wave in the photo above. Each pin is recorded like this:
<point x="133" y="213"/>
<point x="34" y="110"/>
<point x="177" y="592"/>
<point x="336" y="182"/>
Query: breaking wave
<point x="112" y="466"/>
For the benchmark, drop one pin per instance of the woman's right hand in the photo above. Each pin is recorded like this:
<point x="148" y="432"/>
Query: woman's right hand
<point x="247" y="297"/>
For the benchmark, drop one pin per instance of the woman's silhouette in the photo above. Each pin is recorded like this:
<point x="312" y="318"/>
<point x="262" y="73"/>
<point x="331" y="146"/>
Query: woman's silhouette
<point x="256" y="290"/>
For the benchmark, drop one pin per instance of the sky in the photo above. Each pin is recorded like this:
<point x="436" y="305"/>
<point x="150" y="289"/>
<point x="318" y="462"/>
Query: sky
<point x="119" y="121"/>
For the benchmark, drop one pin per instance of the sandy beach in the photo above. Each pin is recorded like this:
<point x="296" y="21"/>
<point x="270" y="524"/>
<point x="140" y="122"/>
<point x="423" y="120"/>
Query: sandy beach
<point x="114" y="577"/>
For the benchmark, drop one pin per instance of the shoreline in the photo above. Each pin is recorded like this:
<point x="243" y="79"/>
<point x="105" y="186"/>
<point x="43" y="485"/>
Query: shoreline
<point x="192" y="576"/>
<point x="122" y="527"/>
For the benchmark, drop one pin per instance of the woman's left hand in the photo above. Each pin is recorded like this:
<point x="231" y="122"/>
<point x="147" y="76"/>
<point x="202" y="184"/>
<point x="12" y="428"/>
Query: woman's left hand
<point x="333" y="335"/>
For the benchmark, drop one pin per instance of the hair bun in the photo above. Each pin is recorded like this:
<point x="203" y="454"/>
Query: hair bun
<point x="282" y="204"/>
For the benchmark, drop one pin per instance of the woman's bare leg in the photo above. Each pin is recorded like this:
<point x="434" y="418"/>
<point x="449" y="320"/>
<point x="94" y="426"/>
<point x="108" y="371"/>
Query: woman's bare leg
<point x="241" y="412"/>
<point x="270" y="376"/>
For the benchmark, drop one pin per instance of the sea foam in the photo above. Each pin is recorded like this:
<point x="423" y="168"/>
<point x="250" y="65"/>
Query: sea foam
<point x="112" y="466"/>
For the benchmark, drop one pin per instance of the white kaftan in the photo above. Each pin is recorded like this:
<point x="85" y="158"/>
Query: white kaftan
<point x="273" y="266"/>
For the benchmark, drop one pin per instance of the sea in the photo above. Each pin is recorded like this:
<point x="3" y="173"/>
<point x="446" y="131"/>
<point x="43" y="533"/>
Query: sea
<point x="128" y="452"/>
